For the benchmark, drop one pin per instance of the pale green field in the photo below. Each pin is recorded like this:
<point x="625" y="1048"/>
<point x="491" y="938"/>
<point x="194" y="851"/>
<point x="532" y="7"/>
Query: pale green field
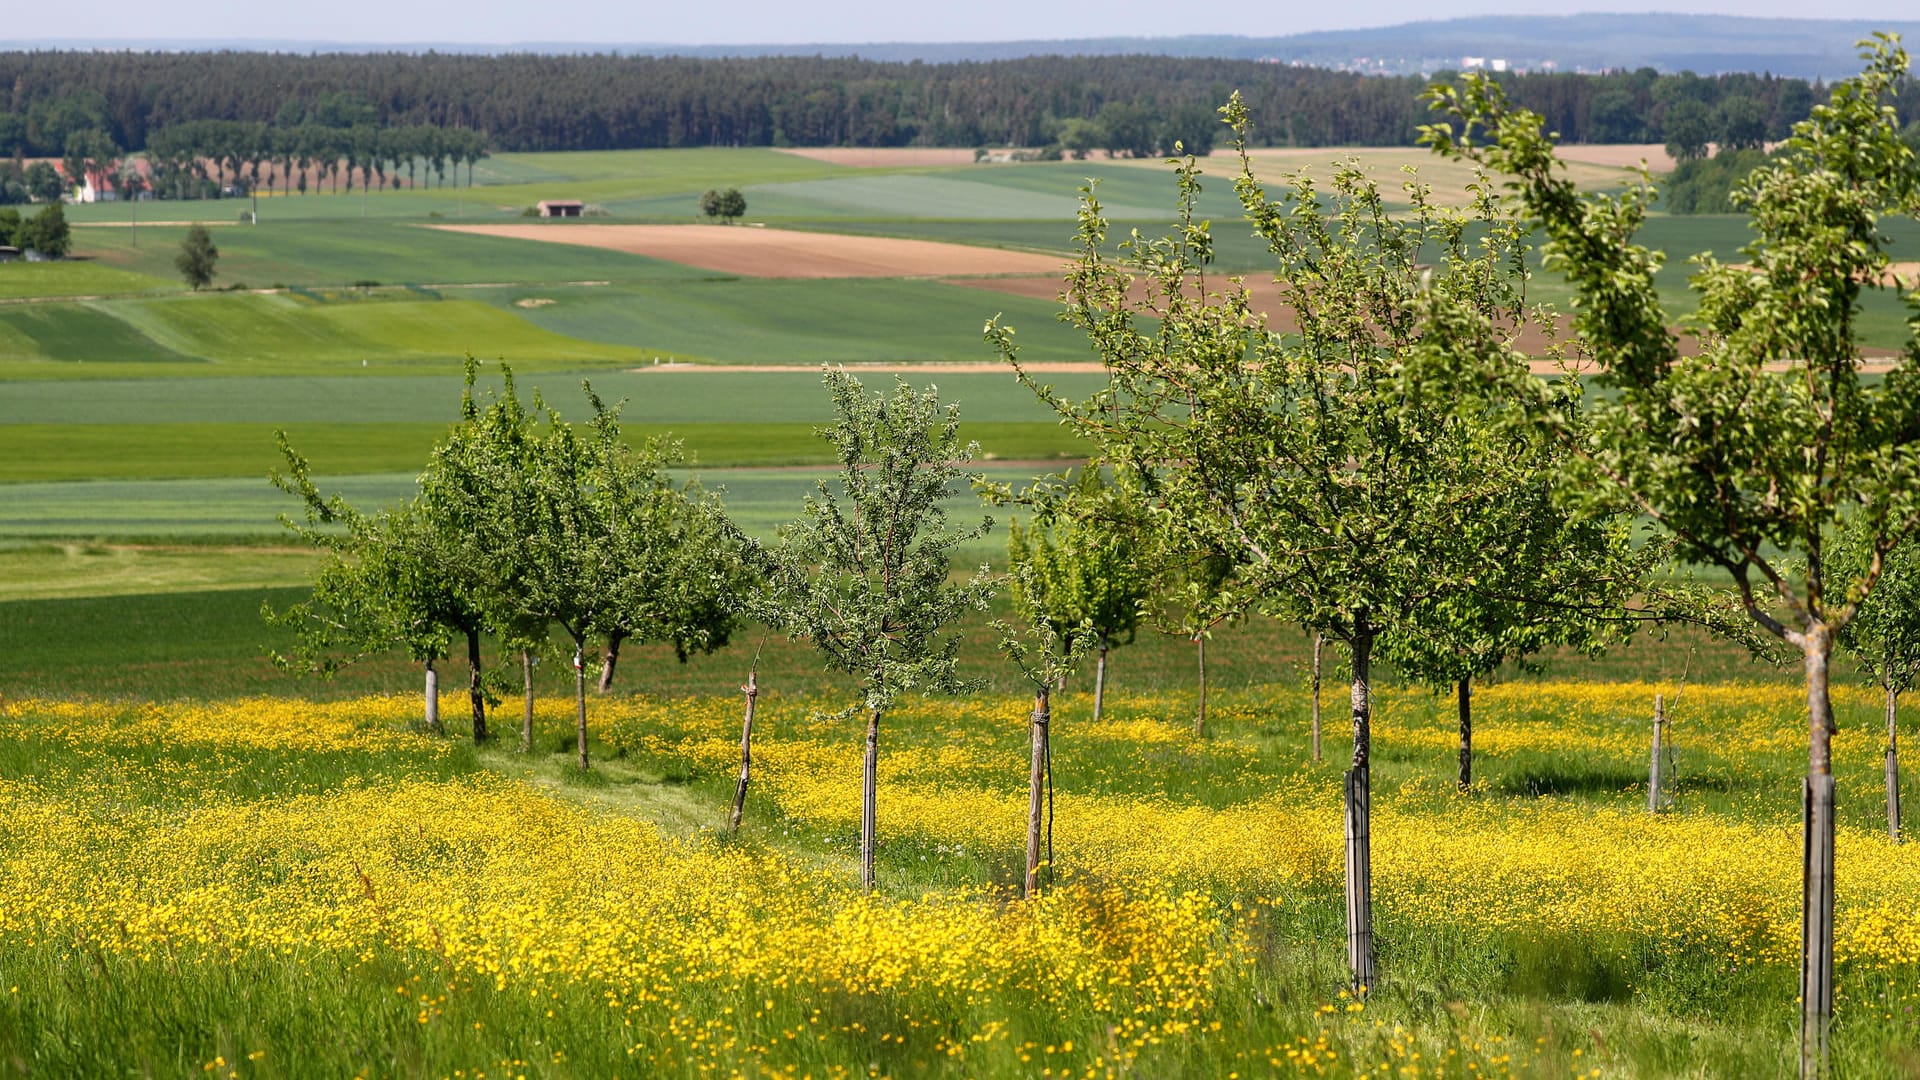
<point x="247" y="510"/>
<point x="47" y="571"/>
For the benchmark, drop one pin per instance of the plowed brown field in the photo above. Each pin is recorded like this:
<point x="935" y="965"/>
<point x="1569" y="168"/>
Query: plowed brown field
<point x="1265" y="298"/>
<point x="782" y="253"/>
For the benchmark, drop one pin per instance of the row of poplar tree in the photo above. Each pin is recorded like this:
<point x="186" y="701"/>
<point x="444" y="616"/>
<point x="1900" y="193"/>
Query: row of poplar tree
<point x="204" y="158"/>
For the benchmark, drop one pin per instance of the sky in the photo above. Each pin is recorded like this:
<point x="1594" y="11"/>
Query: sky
<point x="792" y="21"/>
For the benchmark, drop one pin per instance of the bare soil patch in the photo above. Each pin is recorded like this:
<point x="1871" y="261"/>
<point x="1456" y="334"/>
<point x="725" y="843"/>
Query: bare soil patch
<point x="1902" y="275"/>
<point x="1897" y="275"/>
<point x="884" y="157"/>
<point x="782" y="253"/>
<point x="1265" y="298"/>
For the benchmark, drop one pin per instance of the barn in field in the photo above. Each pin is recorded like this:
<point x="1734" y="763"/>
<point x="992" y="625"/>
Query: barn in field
<point x="560" y="207"/>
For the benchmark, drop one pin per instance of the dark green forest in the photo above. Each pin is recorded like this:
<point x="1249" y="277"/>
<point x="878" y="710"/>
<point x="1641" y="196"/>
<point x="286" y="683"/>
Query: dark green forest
<point x="526" y="102"/>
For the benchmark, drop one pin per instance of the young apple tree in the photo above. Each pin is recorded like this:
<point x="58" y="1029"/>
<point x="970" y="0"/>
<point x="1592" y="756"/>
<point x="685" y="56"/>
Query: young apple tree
<point x="863" y="573"/>
<point x="1196" y="594"/>
<point x="395" y="578"/>
<point x="608" y="544"/>
<point x="1299" y="450"/>
<point x="1536" y="576"/>
<point x="1885" y="638"/>
<point x="1044" y="654"/>
<point x="1757" y="453"/>
<point x="1085" y="550"/>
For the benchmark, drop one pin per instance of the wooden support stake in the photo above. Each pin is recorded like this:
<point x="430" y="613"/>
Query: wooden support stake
<point x="752" y="691"/>
<point x="1659" y="751"/>
<point x="1318" y="641"/>
<point x="1893" y="764"/>
<point x="1036" y="790"/>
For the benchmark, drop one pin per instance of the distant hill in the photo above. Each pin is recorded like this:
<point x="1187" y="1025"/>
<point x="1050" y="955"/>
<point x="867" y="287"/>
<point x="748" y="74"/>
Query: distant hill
<point x="1706" y="44"/>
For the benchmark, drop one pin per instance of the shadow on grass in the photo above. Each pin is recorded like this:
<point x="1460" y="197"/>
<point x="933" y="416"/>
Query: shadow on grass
<point x="1569" y="778"/>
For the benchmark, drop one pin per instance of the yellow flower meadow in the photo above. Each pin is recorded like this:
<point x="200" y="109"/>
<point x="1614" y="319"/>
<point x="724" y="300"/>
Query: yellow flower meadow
<point x="520" y="890"/>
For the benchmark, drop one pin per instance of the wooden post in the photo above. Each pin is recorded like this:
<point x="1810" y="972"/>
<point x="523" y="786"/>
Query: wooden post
<point x="1318" y="640"/>
<point x="526" y="714"/>
<point x="1100" y="681"/>
<point x="1200" y="714"/>
<point x="1036" y="789"/>
<point x="752" y="691"/>
<point x="1659" y="748"/>
<point x="580" y="699"/>
<point x="1893" y="764"/>
<point x="869" y="791"/>
<point x="1466" y="733"/>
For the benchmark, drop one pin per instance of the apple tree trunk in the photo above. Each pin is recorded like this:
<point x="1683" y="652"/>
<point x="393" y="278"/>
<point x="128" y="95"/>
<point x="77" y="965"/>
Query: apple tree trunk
<point x="474" y="692"/>
<point x="526" y="713"/>
<point x="1100" y="681"/>
<point x="608" y="661"/>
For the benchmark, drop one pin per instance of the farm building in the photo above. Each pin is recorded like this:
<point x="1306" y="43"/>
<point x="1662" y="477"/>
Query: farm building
<point x="560" y="208"/>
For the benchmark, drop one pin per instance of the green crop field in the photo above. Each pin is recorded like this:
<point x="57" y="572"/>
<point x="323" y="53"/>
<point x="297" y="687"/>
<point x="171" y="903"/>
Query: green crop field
<point x="335" y="253"/>
<point x="658" y="397"/>
<point x="24" y="280"/>
<point x="48" y="452"/>
<point x="294" y="333"/>
<point x="799" y="322"/>
<point x="248" y="508"/>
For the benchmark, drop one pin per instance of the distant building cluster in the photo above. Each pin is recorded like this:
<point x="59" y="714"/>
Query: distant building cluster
<point x="1429" y="65"/>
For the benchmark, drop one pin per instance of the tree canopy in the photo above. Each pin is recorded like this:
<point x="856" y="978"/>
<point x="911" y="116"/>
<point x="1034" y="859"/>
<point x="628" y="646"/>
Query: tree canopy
<point x="1757" y="454"/>
<point x="527" y="102"/>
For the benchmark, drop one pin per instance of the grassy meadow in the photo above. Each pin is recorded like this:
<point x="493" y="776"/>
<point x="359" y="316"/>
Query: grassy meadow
<point x="212" y="867"/>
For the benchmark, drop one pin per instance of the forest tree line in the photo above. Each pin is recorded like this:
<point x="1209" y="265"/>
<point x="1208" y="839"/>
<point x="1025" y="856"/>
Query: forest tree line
<point x="531" y="102"/>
